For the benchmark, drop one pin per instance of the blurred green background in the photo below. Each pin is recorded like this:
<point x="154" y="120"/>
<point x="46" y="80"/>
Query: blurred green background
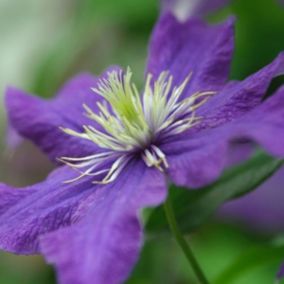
<point x="44" y="42"/>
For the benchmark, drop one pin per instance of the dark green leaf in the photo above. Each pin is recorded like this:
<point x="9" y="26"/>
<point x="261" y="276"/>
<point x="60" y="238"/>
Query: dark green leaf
<point x="249" y="260"/>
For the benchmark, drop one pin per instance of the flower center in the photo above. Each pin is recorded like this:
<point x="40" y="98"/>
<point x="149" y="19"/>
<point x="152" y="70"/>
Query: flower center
<point x="128" y="123"/>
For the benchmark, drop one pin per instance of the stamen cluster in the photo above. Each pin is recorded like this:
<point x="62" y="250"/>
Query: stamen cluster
<point x="131" y="123"/>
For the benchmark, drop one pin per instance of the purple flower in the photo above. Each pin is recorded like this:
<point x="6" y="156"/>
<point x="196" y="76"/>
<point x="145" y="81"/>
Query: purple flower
<point x="121" y="147"/>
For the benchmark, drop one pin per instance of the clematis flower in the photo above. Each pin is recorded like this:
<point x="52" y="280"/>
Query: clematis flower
<point x="117" y="148"/>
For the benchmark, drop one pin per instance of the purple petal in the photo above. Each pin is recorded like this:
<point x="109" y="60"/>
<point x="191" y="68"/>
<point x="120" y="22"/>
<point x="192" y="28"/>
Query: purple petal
<point x="39" y="120"/>
<point x="198" y="160"/>
<point x="13" y="139"/>
<point x="192" y="47"/>
<point x="237" y="98"/>
<point x="9" y="197"/>
<point x="280" y="274"/>
<point x="262" y="209"/>
<point x="29" y="212"/>
<point x="103" y="247"/>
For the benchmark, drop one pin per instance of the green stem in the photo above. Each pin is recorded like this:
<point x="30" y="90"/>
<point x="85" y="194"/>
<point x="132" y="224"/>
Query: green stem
<point x="182" y="242"/>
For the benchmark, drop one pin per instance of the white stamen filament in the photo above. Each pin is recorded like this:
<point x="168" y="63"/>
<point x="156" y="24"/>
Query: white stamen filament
<point x="131" y="123"/>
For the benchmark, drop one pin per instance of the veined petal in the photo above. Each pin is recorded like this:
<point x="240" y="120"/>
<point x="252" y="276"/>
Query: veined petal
<point x="193" y="48"/>
<point x="39" y="120"/>
<point x="199" y="160"/>
<point x="9" y="197"/>
<point x="27" y="213"/>
<point x="237" y="98"/>
<point x="104" y="246"/>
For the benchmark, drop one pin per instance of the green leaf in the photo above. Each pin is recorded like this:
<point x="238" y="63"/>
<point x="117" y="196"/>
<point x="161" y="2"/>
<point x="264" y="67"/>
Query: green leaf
<point x="194" y="207"/>
<point x="249" y="260"/>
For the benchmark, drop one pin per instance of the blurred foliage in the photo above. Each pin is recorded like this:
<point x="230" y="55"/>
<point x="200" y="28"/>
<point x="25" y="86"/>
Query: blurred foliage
<point x="248" y="258"/>
<point x="193" y="207"/>
<point x="254" y="257"/>
<point x="259" y="34"/>
<point x="99" y="33"/>
<point x="24" y="270"/>
<point x="93" y="34"/>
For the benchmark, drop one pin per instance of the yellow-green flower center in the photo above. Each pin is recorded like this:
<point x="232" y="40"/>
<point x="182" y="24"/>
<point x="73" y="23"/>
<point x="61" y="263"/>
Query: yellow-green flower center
<point x="132" y="121"/>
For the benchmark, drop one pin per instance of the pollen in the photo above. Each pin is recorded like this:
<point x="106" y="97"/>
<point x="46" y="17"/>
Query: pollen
<point x="130" y="123"/>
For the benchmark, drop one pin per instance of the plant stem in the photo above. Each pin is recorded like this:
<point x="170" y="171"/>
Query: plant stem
<point x="182" y="242"/>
